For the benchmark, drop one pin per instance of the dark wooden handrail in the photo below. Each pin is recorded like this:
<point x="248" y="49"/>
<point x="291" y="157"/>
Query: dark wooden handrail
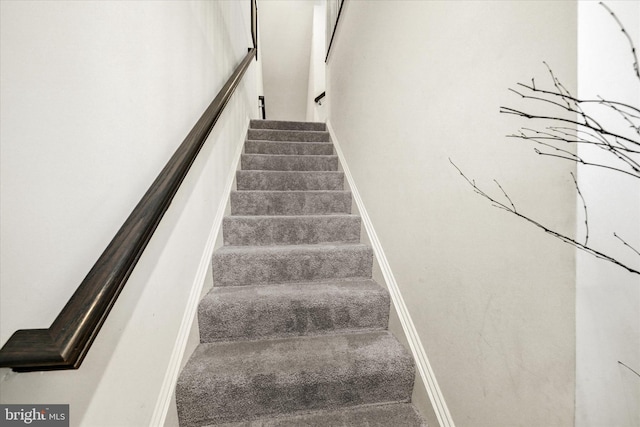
<point x="67" y="341"/>
<point x="254" y="25"/>
<point x="333" y="33"/>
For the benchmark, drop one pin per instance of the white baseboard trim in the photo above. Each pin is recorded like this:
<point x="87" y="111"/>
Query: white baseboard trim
<point x="417" y="349"/>
<point x="173" y="369"/>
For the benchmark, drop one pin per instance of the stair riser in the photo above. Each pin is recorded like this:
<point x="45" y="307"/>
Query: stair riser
<point x="290" y="203"/>
<point x="287" y="125"/>
<point x="254" y="267"/>
<point x="287" y="135"/>
<point x="289" y="163"/>
<point x="289" y="181"/>
<point x="240" y="231"/>
<point x="233" y="313"/>
<point x="291" y="148"/>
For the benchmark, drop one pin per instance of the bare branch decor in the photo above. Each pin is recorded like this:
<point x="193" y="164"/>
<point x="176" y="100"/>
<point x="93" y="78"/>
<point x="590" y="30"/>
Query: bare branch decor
<point x="512" y="209"/>
<point x="572" y="124"/>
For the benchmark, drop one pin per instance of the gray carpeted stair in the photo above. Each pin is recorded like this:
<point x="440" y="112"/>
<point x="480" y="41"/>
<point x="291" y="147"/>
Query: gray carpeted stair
<point x="290" y="202"/>
<point x="277" y="147"/>
<point x="242" y="265"/>
<point x="280" y="310"/>
<point x="267" y="377"/>
<point x="287" y="135"/>
<point x="289" y="162"/>
<point x="293" y="332"/>
<point x="290" y="230"/>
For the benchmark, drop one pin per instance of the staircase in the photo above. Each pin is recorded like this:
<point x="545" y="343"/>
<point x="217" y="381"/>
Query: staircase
<point x="293" y="333"/>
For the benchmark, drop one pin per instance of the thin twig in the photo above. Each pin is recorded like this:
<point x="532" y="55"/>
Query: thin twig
<point x="505" y="195"/>
<point x="584" y="205"/>
<point x="616" y="150"/>
<point x="633" y="48"/>
<point x="578" y="100"/>
<point x="600" y="141"/>
<point x="628" y="368"/>
<point x="556" y="234"/>
<point x="598" y="137"/>
<point x="537" y="98"/>
<point x="557" y="133"/>
<point x="624" y="116"/>
<point x="575" y="157"/>
<point x="626" y="159"/>
<point x="508" y="110"/>
<point x="607" y="146"/>
<point x="583" y="162"/>
<point x="556" y="136"/>
<point x="559" y="86"/>
<point x="576" y="109"/>
<point x="614" y="106"/>
<point x="626" y="244"/>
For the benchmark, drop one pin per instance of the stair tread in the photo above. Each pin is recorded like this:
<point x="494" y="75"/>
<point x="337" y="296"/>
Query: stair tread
<point x="381" y="415"/>
<point x="285" y="375"/>
<point x="292" y="309"/>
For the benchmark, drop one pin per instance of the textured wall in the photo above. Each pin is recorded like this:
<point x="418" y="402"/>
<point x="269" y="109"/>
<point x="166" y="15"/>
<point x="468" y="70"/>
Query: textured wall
<point x="608" y="298"/>
<point x="96" y="96"/>
<point x="412" y="84"/>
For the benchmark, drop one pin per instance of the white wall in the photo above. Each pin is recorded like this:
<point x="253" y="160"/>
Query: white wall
<point x="285" y="40"/>
<point x="316" y="112"/>
<point x="95" y="98"/>
<point x="412" y="84"/>
<point x="608" y="298"/>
